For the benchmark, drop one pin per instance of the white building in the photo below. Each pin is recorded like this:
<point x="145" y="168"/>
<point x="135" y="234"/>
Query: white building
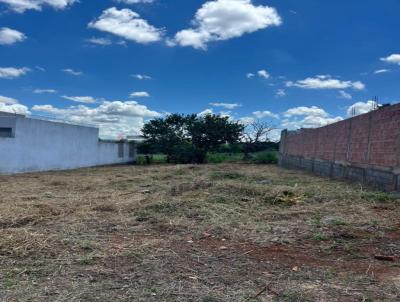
<point x="29" y="144"/>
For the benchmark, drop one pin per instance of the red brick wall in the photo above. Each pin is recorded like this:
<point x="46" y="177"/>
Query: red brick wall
<point x="372" y="139"/>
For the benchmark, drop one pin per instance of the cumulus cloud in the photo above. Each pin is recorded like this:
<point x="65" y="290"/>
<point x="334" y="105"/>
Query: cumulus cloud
<point x="12" y="72"/>
<point x="41" y="91"/>
<point x="263" y="74"/>
<point x="226" y="105"/>
<point x="392" y="59"/>
<point x="114" y="118"/>
<point x="307" y="117"/>
<point x="220" y="20"/>
<point x="302" y="110"/>
<point x="7" y="100"/>
<point x="142" y="77"/>
<point x="206" y="112"/>
<point x="127" y="24"/>
<point x="361" y="108"/>
<point x="139" y="94"/>
<point x="325" y="82"/>
<point x="72" y="72"/>
<point x="21" y="6"/>
<point x="264" y="114"/>
<point x="99" y="41"/>
<point x="344" y="95"/>
<point x="10" y="36"/>
<point x="81" y="99"/>
<point x="12" y="105"/>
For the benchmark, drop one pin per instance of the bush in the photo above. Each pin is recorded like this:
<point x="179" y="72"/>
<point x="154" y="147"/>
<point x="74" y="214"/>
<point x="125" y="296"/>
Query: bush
<point x="187" y="154"/>
<point x="269" y="157"/>
<point x="146" y="159"/>
<point x="218" y="158"/>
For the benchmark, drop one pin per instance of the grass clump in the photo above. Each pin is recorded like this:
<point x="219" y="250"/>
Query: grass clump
<point x="219" y="158"/>
<point x="378" y="197"/>
<point x="220" y="175"/>
<point x="266" y="157"/>
<point x="320" y="237"/>
<point x="143" y="159"/>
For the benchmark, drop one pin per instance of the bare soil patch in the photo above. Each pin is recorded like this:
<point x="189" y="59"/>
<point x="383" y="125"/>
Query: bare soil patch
<point x="229" y="232"/>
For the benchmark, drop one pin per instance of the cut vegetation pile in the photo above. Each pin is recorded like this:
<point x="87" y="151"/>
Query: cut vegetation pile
<point x="229" y="232"/>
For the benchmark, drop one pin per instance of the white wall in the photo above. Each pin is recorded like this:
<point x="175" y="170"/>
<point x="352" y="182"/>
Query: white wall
<point x="43" y="145"/>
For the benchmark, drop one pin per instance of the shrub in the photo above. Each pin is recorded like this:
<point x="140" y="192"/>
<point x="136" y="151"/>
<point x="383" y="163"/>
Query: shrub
<point x="147" y="159"/>
<point x="187" y="154"/>
<point x="218" y="158"/>
<point x="265" y="158"/>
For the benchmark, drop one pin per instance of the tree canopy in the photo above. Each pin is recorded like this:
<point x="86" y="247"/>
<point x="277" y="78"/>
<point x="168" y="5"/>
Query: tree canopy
<point x="188" y="138"/>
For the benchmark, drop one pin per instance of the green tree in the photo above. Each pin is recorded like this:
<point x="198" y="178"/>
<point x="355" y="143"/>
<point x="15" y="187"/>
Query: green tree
<point x="188" y="138"/>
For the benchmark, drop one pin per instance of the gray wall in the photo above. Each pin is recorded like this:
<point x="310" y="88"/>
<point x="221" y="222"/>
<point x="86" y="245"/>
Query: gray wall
<point x="40" y="145"/>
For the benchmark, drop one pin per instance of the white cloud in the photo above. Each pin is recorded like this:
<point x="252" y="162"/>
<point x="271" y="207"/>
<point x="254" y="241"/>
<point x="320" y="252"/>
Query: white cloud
<point x="302" y="110"/>
<point x="7" y="100"/>
<point x="246" y="120"/>
<point x="264" y="114"/>
<point x="206" y="112"/>
<point x="72" y="72"/>
<point x="225" y="19"/>
<point x="81" y="99"/>
<point x="142" y="77"/>
<point x="11" y="105"/>
<point x="134" y="1"/>
<point x="325" y="82"/>
<point x="40" y="91"/>
<point x="379" y="71"/>
<point x="10" y="36"/>
<point x="361" y="108"/>
<point x="392" y="59"/>
<point x="250" y="75"/>
<point x="140" y="94"/>
<point x="12" y="72"/>
<point x="127" y="24"/>
<point x="226" y="105"/>
<point x="114" y="118"/>
<point x="263" y="74"/>
<point x="307" y="117"/>
<point x="15" y="108"/>
<point x="21" y="6"/>
<point x="344" y="95"/>
<point x="280" y="93"/>
<point x="99" y="41"/>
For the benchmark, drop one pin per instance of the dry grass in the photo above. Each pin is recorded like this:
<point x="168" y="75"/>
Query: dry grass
<point x="231" y="232"/>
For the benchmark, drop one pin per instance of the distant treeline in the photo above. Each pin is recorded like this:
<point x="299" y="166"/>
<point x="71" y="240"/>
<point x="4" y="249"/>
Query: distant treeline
<point x="149" y="148"/>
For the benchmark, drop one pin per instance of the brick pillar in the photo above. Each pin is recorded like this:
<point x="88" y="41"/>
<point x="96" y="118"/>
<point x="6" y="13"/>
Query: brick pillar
<point x="349" y="138"/>
<point x="367" y="155"/>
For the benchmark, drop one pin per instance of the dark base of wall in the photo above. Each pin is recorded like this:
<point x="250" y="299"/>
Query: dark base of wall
<point x="382" y="180"/>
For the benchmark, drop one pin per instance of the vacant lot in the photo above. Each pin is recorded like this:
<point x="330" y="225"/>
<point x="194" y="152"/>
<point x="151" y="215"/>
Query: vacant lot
<point x="209" y="233"/>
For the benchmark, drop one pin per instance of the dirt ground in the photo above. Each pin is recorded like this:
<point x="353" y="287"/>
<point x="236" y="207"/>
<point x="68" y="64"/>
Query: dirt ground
<point x="229" y="232"/>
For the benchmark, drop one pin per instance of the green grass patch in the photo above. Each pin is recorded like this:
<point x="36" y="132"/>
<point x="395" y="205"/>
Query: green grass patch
<point x="320" y="237"/>
<point x="265" y="157"/>
<point x="142" y="160"/>
<point x="219" y="158"/>
<point x="218" y="175"/>
<point x="378" y="197"/>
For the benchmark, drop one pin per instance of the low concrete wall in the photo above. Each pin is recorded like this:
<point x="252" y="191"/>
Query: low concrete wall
<point x="384" y="179"/>
<point x="40" y="145"/>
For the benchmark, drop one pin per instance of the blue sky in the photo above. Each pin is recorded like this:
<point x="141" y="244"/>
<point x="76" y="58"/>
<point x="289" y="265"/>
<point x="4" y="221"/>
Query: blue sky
<point x="118" y="63"/>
